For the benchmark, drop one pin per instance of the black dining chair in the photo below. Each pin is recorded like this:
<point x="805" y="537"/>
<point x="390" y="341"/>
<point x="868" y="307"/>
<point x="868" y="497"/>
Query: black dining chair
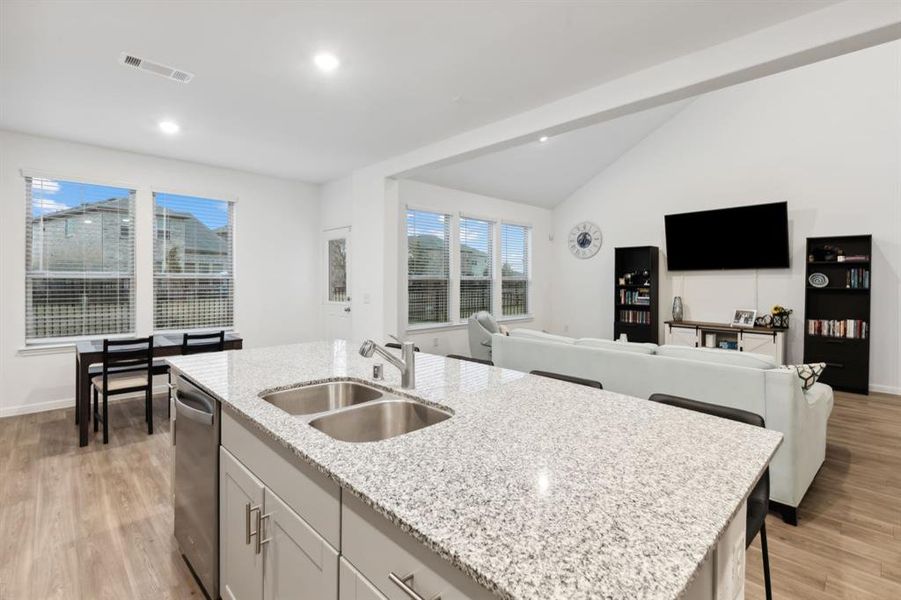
<point x="759" y="499"/>
<point x="127" y="368"/>
<point x="160" y="367"/>
<point x="196" y="343"/>
<point x="569" y="378"/>
<point x="481" y="361"/>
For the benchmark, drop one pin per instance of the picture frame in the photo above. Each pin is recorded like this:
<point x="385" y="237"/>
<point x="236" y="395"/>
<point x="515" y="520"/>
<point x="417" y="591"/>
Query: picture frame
<point x="743" y="317"/>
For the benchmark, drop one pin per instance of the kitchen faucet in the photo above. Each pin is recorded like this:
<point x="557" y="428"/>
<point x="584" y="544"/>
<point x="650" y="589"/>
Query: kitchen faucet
<point x="407" y="365"/>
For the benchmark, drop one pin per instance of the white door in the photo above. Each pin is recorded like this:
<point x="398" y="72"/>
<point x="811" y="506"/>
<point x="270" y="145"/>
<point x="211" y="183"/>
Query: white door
<point x="240" y="567"/>
<point x="336" y="274"/>
<point x="298" y="563"/>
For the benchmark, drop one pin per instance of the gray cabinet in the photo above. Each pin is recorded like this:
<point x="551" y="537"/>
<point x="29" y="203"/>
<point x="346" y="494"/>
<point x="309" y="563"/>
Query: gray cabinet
<point x="354" y="586"/>
<point x="240" y="500"/>
<point x="297" y="562"/>
<point x="266" y="550"/>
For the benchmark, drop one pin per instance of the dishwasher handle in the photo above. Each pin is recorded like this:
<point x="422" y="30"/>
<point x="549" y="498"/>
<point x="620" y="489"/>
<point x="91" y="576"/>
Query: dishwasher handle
<point x="204" y="417"/>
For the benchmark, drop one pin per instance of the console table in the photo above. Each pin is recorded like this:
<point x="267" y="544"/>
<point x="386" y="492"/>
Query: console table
<point x="702" y="334"/>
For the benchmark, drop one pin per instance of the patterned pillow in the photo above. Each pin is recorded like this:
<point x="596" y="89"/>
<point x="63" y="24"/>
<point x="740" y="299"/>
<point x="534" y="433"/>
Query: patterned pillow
<point x="808" y="373"/>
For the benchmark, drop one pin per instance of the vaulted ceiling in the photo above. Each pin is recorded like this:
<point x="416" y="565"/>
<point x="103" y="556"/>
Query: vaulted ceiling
<point x="546" y="173"/>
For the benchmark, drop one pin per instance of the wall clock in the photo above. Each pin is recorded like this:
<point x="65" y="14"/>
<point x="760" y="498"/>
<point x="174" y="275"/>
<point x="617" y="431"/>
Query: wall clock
<point x="585" y="240"/>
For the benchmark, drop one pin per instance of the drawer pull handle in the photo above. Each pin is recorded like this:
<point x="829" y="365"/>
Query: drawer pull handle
<point x="406" y="586"/>
<point x="260" y="541"/>
<point x="248" y="534"/>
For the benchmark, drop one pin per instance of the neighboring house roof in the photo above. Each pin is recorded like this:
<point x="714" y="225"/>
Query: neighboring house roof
<point x="198" y="237"/>
<point x="429" y="251"/>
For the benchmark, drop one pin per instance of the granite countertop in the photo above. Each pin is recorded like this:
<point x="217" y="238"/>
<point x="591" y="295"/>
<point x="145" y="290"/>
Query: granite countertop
<point x="535" y="488"/>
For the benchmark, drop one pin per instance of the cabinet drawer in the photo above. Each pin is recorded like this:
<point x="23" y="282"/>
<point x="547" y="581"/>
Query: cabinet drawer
<point x="847" y="362"/>
<point x="313" y="496"/>
<point x="377" y="548"/>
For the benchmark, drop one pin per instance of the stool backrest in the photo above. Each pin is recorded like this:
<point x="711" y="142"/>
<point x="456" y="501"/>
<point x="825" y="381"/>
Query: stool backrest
<point x="196" y="343"/>
<point x="481" y="361"/>
<point x="569" y="378"/>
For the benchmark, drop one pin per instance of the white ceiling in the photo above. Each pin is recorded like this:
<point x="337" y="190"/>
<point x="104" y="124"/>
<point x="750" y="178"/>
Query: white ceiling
<point x="544" y="174"/>
<point x="412" y="72"/>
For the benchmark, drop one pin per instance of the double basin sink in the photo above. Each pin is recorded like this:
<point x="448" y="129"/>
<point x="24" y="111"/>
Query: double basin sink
<point x="355" y="412"/>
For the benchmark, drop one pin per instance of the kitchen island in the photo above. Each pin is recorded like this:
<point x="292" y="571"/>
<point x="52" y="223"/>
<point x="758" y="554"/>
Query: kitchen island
<point x="533" y="488"/>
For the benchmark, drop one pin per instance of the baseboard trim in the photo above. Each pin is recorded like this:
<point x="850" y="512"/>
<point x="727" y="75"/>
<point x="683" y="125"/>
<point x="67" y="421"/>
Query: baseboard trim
<point x="885" y="389"/>
<point x="38" y="407"/>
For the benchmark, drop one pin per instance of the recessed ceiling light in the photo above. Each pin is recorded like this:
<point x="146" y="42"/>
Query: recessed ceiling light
<point x="542" y="139"/>
<point x="326" y="61"/>
<point x="170" y="127"/>
<point x="88" y="221"/>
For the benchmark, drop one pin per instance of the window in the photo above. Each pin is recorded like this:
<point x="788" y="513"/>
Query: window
<point x="515" y="241"/>
<point x="193" y="270"/>
<point x="428" y="267"/>
<point x="476" y="266"/>
<point x="79" y="260"/>
<point x="337" y="270"/>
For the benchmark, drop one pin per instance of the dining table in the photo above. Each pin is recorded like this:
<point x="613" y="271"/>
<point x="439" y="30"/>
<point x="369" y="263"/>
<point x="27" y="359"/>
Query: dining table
<point x="90" y="352"/>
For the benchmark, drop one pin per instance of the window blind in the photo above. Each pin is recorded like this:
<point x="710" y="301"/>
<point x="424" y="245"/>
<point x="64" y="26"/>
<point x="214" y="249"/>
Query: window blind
<point x="193" y="263"/>
<point x="428" y="267"/>
<point x="79" y="260"/>
<point x="515" y="242"/>
<point x="476" y="262"/>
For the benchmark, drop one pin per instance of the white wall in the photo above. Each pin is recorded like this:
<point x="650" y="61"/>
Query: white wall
<point x="455" y="340"/>
<point x="829" y="32"/>
<point x="276" y="244"/>
<point x="826" y="138"/>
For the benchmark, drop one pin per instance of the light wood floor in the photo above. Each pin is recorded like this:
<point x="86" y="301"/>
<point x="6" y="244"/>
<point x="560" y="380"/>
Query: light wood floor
<point x="97" y="522"/>
<point x="88" y="523"/>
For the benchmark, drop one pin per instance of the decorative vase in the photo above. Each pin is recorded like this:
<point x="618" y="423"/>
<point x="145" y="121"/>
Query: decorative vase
<point x="677" y="308"/>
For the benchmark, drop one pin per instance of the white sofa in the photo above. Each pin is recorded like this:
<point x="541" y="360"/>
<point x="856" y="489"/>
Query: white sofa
<point x="728" y="378"/>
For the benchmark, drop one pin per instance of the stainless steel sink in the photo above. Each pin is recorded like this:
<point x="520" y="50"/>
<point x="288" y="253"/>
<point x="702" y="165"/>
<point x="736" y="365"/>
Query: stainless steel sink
<point x="378" y="420"/>
<point x="310" y="399"/>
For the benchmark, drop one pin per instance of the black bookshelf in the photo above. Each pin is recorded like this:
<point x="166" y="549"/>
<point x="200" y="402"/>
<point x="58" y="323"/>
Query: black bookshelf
<point x="635" y="305"/>
<point x="837" y="325"/>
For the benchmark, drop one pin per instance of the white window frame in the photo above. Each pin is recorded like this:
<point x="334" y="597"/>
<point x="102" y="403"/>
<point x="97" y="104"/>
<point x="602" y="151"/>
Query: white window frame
<point x="455" y="322"/>
<point x="204" y="195"/>
<point x="39" y="345"/>
<point x="453" y="291"/>
<point x="528" y="278"/>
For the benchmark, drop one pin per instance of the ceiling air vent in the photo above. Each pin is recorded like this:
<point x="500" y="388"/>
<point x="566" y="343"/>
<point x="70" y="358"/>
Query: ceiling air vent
<point x="157" y="69"/>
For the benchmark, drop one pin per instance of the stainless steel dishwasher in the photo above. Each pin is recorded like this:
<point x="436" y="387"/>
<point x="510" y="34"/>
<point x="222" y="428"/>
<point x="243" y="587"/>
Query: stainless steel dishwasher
<point x="196" y="481"/>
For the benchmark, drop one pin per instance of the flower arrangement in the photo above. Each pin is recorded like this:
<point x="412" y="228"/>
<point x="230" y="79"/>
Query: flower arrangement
<point x="780" y="316"/>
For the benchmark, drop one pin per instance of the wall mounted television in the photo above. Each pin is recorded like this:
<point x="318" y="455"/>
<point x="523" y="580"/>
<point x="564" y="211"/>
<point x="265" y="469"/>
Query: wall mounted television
<point x="741" y="237"/>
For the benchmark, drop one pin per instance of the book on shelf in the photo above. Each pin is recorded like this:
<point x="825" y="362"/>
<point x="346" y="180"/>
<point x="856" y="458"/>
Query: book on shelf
<point x="838" y="328"/>
<point x="857" y="279"/>
<point x="642" y="317"/>
<point x="856" y="258"/>
<point x="637" y="297"/>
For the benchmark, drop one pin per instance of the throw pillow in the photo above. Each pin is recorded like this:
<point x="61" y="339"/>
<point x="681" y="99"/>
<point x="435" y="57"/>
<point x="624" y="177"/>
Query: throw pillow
<point x="808" y="373"/>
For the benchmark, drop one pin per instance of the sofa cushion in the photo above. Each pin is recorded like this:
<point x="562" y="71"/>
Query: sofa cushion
<point x="640" y="348"/>
<point x="808" y="373"/>
<point x="723" y="357"/>
<point x="535" y="334"/>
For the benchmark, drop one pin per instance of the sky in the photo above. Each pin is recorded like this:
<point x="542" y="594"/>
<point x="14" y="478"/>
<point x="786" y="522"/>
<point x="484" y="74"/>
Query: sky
<point x="53" y="195"/>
